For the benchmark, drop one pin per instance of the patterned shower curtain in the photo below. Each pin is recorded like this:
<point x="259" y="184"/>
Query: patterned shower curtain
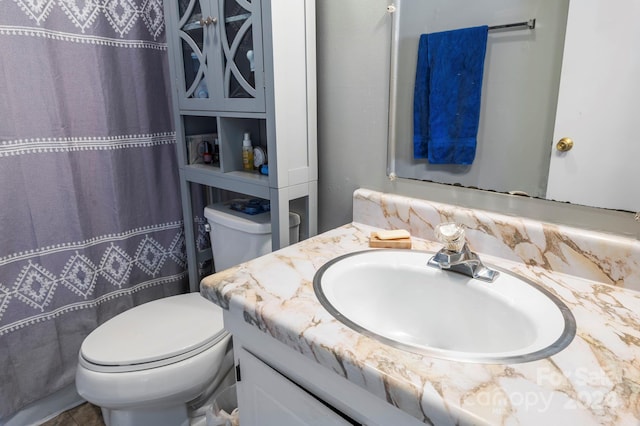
<point x="90" y="217"/>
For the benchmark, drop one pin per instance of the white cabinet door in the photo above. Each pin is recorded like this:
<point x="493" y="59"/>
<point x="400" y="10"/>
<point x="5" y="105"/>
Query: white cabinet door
<point x="265" y="397"/>
<point x="599" y="107"/>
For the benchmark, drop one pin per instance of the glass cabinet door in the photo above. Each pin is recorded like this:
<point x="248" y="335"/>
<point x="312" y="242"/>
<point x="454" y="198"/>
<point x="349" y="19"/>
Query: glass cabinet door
<point x="241" y="54"/>
<point x="193" y="37"/>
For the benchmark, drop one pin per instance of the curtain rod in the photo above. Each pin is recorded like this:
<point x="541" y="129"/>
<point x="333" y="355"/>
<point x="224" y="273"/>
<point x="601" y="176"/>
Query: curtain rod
<point x="530" y="24"/>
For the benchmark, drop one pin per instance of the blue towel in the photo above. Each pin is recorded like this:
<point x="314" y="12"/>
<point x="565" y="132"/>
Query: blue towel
<point x="446" y="102"/>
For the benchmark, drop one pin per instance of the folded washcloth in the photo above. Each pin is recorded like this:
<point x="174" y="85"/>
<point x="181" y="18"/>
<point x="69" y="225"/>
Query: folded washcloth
<point x="447" y="95"/>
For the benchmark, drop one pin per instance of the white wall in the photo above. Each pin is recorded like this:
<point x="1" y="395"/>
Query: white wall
<point x="353" y="71"/>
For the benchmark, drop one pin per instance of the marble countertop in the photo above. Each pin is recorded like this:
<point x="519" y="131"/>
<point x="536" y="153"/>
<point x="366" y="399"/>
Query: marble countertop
<point x="594" y="381"/>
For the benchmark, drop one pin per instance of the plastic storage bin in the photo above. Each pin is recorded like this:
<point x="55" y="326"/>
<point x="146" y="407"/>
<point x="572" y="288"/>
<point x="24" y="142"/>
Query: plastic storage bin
<point x="237" y="237"/>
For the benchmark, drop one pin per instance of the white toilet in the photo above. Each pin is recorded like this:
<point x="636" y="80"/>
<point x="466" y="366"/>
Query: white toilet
<point x="156" y="363"/>
<point x="160" y="363"/>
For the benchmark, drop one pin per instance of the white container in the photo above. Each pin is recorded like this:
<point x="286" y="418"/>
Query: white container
<point x="237" y="237"/>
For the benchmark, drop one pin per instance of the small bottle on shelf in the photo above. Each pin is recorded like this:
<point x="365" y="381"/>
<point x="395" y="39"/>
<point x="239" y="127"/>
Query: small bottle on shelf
<point x="216" y="152"/>
<point x="247" y="153"/>
<point x="207" y="156"/>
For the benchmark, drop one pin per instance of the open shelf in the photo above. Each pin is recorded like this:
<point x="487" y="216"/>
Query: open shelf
<point x="244" y="182"/>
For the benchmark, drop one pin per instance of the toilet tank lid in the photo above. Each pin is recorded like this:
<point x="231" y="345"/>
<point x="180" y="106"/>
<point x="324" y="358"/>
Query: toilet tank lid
<point x="157" y="330"/>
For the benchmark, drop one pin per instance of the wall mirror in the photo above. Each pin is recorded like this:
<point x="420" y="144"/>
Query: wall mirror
<point x="571" y="76"/>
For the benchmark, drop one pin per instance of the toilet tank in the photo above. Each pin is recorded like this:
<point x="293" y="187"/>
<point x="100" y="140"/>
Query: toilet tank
<point x="237" y="237"/>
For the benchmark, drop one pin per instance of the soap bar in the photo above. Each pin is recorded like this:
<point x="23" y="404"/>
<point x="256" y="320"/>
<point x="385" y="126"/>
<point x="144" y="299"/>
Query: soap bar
<point x="400" y="243"/>
<point x="395" y="234"/>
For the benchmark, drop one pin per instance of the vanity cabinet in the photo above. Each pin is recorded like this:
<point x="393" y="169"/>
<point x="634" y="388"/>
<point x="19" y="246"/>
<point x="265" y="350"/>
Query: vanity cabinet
<point x="277" y="385"/>
<point x="270" y="398"/>
<point x="238" y="67"/>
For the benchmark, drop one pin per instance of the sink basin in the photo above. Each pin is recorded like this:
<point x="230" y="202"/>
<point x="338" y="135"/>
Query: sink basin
<point x="393" y="296"/>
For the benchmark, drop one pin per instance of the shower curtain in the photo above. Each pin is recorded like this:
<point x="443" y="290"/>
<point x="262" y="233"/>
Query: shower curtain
<point x="90" y="217"/>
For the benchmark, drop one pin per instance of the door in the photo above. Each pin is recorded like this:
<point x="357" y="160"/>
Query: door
<point x="239" y="58"/>
<point x="193" y="38"/>
<point x="599" y="107"/>
<point x="265" y="397"/>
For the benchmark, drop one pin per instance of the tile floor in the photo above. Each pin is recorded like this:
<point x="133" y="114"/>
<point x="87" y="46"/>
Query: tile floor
<point x="82" y="415"/>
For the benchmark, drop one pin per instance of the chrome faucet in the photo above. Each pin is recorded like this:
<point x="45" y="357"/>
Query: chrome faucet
<point x="456" y="256"/>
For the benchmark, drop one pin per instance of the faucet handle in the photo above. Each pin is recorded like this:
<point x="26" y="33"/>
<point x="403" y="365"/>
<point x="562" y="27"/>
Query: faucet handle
<point x="451" y="235"/>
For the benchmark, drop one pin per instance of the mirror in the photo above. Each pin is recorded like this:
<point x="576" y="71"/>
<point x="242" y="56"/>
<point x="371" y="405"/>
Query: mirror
<point x="522" y="77"/>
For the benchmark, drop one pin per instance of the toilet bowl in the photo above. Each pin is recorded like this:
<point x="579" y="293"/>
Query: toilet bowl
<point x="149" y="364"/>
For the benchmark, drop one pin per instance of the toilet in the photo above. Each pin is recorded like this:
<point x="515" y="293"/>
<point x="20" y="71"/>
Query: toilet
<point x="163" y="362"/>
<point x="158" y="363"/>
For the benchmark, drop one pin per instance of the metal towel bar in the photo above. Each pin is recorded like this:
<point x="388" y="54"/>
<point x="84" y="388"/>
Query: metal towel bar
<point x="530" y="24"/>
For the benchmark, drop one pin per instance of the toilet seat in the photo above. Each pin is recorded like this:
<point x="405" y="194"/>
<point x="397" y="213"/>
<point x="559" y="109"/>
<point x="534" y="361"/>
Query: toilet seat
<point x="137" y="339"/>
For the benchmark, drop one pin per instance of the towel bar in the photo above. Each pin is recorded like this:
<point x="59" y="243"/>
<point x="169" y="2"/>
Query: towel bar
<point x="530" y="24"/>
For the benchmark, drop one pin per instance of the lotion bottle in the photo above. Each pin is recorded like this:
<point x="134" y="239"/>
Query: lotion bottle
<point x="247" y="153"/>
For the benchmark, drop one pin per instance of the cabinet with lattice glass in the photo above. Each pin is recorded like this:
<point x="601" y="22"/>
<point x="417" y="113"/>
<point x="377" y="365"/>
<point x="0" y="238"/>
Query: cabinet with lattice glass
<point x="219" y="59"/>
<point x="246" y="67"/>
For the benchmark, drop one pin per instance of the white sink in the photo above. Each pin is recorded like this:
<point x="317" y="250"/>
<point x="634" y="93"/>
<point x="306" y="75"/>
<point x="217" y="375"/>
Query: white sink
<point x="392" y="295"/>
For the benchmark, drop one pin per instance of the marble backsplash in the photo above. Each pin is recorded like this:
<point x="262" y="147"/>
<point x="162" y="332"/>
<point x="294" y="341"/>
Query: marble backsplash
<point x="601" y="257"/>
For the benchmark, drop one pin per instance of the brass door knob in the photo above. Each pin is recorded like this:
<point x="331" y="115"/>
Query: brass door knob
<point x="564" y="144"/>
